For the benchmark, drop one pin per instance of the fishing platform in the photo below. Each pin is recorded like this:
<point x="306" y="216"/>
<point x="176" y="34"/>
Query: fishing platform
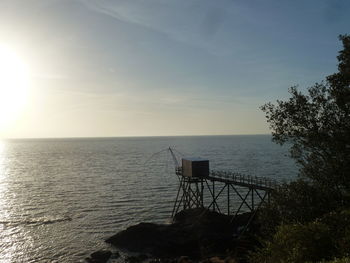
<point x="225" y="192"/>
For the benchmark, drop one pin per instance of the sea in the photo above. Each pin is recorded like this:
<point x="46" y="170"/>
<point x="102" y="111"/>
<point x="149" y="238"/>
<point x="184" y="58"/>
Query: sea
<point x="61" y="198"/>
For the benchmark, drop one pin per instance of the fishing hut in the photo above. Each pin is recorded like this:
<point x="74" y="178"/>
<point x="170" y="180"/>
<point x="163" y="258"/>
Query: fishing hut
<point x="192" y="175"/>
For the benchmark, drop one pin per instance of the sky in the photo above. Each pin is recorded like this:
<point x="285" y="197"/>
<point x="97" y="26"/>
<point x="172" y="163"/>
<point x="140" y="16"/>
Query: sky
<point x="98" y="68"/>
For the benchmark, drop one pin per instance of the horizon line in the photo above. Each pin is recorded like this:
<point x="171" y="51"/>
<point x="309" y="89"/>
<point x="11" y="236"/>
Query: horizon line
<point x="130" y="136"/>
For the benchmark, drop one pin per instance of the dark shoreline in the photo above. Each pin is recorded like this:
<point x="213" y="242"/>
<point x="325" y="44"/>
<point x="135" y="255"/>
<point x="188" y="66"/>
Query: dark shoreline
<point x="196" y="235"/>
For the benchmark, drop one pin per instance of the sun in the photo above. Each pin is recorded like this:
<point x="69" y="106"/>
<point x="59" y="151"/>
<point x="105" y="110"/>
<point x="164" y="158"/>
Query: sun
<point x="14" y="82"/>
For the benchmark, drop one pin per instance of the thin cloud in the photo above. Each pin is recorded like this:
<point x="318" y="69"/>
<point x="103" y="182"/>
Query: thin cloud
<point x="181" y="21"/>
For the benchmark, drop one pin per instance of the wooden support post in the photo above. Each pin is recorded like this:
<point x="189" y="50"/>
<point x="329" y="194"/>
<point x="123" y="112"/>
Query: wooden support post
<point x="242" y="198"/>
<point x="176" y="200"/>
<point x="202" y="190"/>
<point x="251" y="218"/>
<point x="228" y="199"/>
<point x="216" y="197"/>
<point x="243" y="202"/>
<point x="213" y="195"/>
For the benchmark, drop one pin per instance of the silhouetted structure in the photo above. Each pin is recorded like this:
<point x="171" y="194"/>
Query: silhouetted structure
<point x="200" y="187"/>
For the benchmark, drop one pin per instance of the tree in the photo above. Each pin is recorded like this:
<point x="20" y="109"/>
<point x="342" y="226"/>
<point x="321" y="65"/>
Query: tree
<point x="294" y="203"/>
<point x="317" y="125"/>
<point x="308" y="220"/>
<point x="323" y="239"/>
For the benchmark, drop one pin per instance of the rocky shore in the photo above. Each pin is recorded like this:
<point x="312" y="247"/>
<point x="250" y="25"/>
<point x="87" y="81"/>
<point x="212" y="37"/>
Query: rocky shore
<point x="195" y="234"/>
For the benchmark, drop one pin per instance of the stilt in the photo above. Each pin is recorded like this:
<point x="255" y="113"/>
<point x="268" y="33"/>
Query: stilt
<point x="228" y="199"/>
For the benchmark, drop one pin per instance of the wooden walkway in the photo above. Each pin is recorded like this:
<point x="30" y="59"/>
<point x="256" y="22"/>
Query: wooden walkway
<point x="260" y="183"/>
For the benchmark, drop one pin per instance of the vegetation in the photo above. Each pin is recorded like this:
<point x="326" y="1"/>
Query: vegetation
<point x="318" y="126"/>
<point x="309" y="220"/>
<point x="325" y="238"/>
<point x="338" y="260"/>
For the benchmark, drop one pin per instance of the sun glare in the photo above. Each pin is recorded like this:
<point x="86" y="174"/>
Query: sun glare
<point x="13" y="85"/>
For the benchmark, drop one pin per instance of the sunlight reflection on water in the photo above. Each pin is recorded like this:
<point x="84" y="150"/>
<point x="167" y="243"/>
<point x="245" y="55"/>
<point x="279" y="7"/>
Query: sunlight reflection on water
<point x="8" y="246"/>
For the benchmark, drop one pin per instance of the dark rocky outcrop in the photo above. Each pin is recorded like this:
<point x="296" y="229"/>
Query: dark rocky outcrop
<point x="136" y="259"/>
<point x="100" y="256"/>
<point x="197" y="233"/>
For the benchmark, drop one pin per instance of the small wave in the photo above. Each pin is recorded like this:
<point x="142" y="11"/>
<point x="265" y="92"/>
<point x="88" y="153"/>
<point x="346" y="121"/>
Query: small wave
<point x="37" y="221"/>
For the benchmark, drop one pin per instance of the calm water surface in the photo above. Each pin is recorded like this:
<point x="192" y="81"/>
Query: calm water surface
<point x="59" y="199"/>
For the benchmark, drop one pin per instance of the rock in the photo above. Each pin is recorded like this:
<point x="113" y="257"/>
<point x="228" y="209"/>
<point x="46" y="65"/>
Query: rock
<point x="184" y="259"/>
<point x="216" y="260"/>
<point x="132" y="259"/>
<point x="230" y="260"/>
<point x="163" y="260"/>
<point x="136" y="259"/>
<point x="197" y="233"/>
<point x="143" y="257"/>
<point x="100" y="256"/>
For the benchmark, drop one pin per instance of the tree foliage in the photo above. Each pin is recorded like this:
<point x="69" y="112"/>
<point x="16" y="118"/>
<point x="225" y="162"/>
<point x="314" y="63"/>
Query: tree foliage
<point x="296" y="202"/>
<point x="325" y="238"/>
<point x="317" y="124"/>
<point x="307" y="220"/>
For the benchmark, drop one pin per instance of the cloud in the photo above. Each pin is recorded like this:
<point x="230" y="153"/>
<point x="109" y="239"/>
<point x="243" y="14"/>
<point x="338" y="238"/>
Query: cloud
<point x="191" y="23"/>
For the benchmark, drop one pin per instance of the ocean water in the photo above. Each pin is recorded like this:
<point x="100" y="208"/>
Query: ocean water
<point x="61" y="198"/>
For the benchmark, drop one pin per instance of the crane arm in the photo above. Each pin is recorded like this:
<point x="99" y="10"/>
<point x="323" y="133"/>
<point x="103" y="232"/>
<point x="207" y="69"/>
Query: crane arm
<point x="176" y="162"/>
